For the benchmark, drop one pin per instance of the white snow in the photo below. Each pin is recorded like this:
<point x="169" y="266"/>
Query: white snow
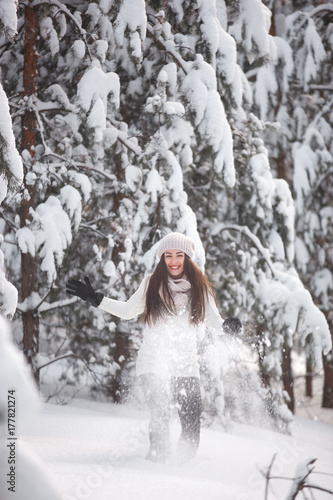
<point x="93" y="450"/>
<point x="83" y="183"/>
<point x="251" y="28"/>
<point x="301" y="254"/>
<point x="50" y="232"/>
<point x="315" y="52"/>
<point x="26" y="241"/>
<point x="133" y="177"/>
<point x="95" y="90"/>
<point x="265" y="91"/>
<point x="8" y="295"/>
<point x="210" y="26"/>
<point x="100" y="48"/>
<point x="8" y="292"/>
<point x="9" y="151"/>
<point x="48" y="33"/>
<point x="71" y="199"/>
<point x="131" y="19"/>
<point x="29" y="476"/>
<point x="322" y="286"/>
<point x="264" y="182"/>
<point x="222" y="46"/>
<point x="154" y="184"/>
<point x="97" y="451"/>
<point x="285" y="55"/>
<point x="8" y="16"/>
<point x="79" y="49"/>
<point x="105" y="5"/>
<point x="56" y="93"/>
<point x="204" y="102"/>
<point x="305" y="164"/>
<point x="97" y="119"/>
<point x="296" y="311"/>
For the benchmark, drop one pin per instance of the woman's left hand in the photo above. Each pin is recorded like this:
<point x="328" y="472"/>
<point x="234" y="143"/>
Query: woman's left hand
<point x="232" y="326"/>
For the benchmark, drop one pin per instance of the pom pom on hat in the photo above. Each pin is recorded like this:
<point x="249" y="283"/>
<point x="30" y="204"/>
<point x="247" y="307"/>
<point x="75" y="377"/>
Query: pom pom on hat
<point x="176" y="241"/>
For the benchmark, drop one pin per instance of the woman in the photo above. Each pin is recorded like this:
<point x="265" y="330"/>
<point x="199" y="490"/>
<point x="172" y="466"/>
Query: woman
<point x="175" y="299"/>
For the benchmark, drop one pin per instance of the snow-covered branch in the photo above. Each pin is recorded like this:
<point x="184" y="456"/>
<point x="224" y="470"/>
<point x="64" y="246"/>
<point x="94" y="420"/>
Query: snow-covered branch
<point x="54" y="360"/>
<point x="8" y="222"/>
<point x="123" y="138"/>
<point x="43" y="299"/>
<point x="315" y="87"/>
<point x="326" y="7"/>
<point x="300" y="481"/>
<point x="169" y="48"/>
<point x="39" y="306"/>
<point x="48" y="307"/>
<point x="91" y="228"/>
<point x="249" y="234"/>
<point x="66" y="11"/>
<point x="321" y="179"/>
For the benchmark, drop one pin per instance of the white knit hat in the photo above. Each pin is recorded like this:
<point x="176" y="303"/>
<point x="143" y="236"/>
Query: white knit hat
<point x="176" y="241"/>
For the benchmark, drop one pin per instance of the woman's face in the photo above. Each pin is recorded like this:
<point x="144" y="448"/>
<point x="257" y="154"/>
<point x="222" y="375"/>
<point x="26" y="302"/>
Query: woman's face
<point x="174" y="260"/>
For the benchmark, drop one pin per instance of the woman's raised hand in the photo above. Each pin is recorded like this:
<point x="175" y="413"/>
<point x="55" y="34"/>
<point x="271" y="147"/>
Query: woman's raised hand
<point x="84" y="291"/>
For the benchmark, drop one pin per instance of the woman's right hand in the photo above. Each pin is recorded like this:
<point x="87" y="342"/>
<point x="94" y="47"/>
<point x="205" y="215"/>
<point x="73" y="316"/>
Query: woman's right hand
<point x="84" y="291"/>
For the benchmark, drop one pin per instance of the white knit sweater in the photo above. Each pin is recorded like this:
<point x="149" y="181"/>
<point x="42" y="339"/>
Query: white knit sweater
<point x="169" y="348"/>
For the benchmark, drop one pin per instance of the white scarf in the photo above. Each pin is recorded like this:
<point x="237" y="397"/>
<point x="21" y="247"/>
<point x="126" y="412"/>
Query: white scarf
<point x="180" y="291"/>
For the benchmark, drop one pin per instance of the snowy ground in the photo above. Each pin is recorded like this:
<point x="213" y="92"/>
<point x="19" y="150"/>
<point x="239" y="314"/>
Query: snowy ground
<point x="96" y="451"/>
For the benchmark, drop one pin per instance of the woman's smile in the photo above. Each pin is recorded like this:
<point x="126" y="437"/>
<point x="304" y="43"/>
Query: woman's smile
<point x="174" y="260"/>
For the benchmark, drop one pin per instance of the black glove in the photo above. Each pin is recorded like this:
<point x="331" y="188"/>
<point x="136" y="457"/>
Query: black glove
<point x="85" y="291"/>
<point x="232" y="325"/>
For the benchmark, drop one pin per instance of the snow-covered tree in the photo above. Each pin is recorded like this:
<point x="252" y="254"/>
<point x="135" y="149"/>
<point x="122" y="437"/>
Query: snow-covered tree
<point x="294" y="89"/>
<point x="11" y="173"/>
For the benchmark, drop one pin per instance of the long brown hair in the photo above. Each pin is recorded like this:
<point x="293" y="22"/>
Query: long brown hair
<point x="157" y="308"/>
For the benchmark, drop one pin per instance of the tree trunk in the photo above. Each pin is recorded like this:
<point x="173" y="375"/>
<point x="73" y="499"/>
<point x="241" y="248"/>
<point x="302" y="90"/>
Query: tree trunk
<point x="28" y="263"/>
<point x="328" y="383"/>
<point x="261" y="350"/>
<point x="118" y="389"/>
<point x="287" y="376"/>
<point x="121" y="341"/>
<point x="308" y="378"/>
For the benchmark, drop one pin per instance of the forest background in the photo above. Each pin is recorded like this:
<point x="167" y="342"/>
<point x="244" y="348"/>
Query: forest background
<point x="122" y="120"/>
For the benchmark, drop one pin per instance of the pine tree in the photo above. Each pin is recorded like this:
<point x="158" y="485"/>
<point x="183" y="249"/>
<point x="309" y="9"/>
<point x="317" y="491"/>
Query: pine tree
<point x="11" y="173"/>
<point x="55" y="186"/>
<point x="294" y="89"/>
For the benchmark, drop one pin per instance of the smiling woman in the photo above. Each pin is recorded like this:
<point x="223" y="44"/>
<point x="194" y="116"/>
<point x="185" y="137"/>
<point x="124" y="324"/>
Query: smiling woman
<point x="174" y="300"/>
